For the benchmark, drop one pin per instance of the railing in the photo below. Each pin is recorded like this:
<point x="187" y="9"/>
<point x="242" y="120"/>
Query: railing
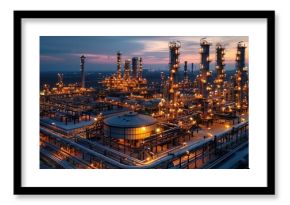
<point x="62" y="163"/>
<point x="225" y="138"/>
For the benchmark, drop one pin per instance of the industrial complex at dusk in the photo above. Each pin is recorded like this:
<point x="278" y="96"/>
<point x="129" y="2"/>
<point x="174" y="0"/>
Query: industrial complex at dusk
<point x="194" y="116"/>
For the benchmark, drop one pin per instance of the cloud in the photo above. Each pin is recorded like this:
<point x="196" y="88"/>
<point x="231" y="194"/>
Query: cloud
<point x="49" y="58"/>
<point x="101" y="58"/>
<point x="150" y="46"/>
<point x="153" y="49"/>
<point x="155" y="60"/>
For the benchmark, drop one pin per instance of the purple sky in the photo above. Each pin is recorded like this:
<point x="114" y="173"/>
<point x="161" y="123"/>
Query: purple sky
<point x="62" y="52"/>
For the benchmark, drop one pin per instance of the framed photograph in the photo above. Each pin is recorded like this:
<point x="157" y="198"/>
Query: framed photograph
<point x="144" y="102"/>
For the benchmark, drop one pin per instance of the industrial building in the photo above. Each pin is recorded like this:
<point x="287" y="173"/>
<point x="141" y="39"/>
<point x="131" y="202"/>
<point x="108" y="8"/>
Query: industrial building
<point x="186" y="123"/>
<point x="131" y="81"/>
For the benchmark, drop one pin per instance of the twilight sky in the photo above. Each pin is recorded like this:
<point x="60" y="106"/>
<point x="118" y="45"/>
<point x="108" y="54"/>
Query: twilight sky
<point x="61" y="53"/>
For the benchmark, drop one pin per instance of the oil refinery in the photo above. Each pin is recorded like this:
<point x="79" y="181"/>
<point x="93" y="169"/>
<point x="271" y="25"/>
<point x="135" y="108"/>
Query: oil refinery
<point x="197" y="121"/>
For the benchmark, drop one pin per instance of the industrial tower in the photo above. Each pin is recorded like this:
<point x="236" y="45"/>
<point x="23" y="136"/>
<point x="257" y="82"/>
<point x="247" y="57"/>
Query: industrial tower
<point x="127" y="69"/>
<point x="135" y="67"/>
<point x="241" y="77"/>
<point x="204" y="67"/>
<point x="140" y="70"/>
<point x="192" y="67"/>
<point x="60" y="79"/>
<point x="220" y="68"/>
<point x="163" y="85"/>
<point x="185" y="72"/>
<point x="82" y="71"/>
<point x="119" y="54"/>
<point x="59" y="83"/>
<point x="174" y="53"/>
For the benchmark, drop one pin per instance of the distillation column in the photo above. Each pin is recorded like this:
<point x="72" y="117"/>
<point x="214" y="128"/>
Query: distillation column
<point x="204" y="67"/>
<point x="192" y="67"/>
<point x="127" y="69"/>
<point x="174" y="53"/>
<point x="135" y="67"/>
<point x="241" y="78"/>
<point x="163" y="84"/>
<point x="204" y="86"/>
<point x="140" y="69"/>
<point x="185" y="72"/>
<point x="220" y="78"/>
<point x="82" y="71"/>
<point x="119" y="54"/>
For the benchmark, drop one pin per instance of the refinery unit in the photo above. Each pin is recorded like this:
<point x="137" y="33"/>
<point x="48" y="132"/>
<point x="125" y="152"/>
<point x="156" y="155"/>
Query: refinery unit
<point x="184" y="123"/>
<point x="131" y="81"/>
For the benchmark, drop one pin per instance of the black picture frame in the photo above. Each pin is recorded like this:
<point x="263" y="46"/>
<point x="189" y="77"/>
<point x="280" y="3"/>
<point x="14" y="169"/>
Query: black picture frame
<point x="269" y="189"/>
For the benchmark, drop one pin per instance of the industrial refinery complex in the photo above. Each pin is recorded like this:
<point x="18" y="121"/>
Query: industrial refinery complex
<point x="197" y="121"/>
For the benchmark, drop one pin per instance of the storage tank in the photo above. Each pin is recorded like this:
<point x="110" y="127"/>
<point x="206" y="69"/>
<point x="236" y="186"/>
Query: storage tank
<point x="131" y="126"/>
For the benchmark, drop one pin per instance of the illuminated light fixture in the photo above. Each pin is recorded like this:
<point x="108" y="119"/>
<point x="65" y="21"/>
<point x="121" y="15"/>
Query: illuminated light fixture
<point x="208" y="117"/>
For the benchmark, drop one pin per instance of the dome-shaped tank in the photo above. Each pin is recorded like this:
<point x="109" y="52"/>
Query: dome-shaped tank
<point x="132" y="126"/>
